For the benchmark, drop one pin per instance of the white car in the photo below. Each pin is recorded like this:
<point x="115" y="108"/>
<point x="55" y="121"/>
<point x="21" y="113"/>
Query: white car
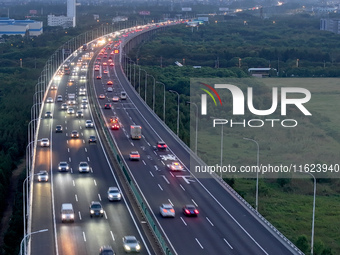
<point x="89" y="124"/>
<point x="131" y="244"/>
<point x="43" y="176"/>
<point x="84" y="100"/>
<point x="59" y="98"/>
<point x="49" y="100"/>
<point x="64" y="106"/>
<point x="44" y="142"/>
<point x="70" y="110"/>
<point x="109" y="89"/>
<point x="175" y="166"/>
<point x="167" y="210"/>
<point x="84" y="167"/>
<point x="113" y="193"/>
<point x="115" y="99"/>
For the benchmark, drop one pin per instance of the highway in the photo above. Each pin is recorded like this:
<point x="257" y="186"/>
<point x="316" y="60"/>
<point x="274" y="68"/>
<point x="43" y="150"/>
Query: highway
<point x="224" y="224"/>
<point x="86" y="235"/>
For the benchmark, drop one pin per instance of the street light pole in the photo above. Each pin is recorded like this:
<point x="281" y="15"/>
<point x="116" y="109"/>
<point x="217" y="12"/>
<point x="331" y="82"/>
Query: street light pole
<point x="188" y="102"/>
<point x="39" y="231"/>
<point x="257" y="172"/>
<point x="173" y="91"/>
<point x="163" y="99"/>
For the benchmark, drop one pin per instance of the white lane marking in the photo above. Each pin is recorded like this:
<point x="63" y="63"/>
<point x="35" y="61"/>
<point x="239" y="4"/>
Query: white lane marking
<point x="170" y="202"/>
<point x="85" y="149"/>
<point x="199" y="243"/>
<point x="80" y="127"/>
<point x="68" y="149"/>
<point x="105" y="215"/>
<point x="88" y="159"/>
<point x="209" y="221"/>
<point x="148" y="143"/>
<point x="184" y="221"/>
<point x="151" y="174"/>
<point x="84" y="236"/>
<point x="83" y="141"/>
<point x="144" y="162"/>
<point x="182" y="187"/>
<point x="113" y="238"/>
<point x="172" y="174"/>
<point x="228" y="243"/>
<point x="194" y="202"/>
<point x="160" y="187"/>
<point x="95" y="183"/>
<point x="162" y="162"/>
<point x="71" y="170"/>
<point x="66" y="140"/>
<point x="165" y="179"/>
<point x="69" y="159"/>
<point x="91" y="170"/>
<point x="79" y="215"/>
<point x="74" y="184"/>
<point x="100" y="198"/>
<point x="76" y="197"/>
<point x="156" y="167"/>
<point x="155" y="152"/>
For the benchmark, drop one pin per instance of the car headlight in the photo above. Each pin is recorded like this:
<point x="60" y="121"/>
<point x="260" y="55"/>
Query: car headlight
<point x="63" y="216"/>
<point x="101" y="211"/>
<point x="110" y="195"/>
<point x="126" y="247"/>
<point x="80" y="168"/>
<point x="119" y="195"/>
<point x="92" y="211"/>
<point x="59" y="168"/>
<point x="72" y="216"/>
<point x="138" y="247"/>
<point x="39" y="178"/>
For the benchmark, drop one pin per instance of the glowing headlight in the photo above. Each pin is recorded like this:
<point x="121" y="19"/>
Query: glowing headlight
<point x="126" y="247"/>
<point x="101" y="210"/>
<point x="63" y="216"/>
<point x="92" y="211"/>
<point x="138" y="247"/>
<point x="72" y="216"/>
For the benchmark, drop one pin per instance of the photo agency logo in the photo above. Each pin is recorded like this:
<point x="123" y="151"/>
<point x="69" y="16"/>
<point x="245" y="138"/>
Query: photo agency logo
<point x="301" y="95"/>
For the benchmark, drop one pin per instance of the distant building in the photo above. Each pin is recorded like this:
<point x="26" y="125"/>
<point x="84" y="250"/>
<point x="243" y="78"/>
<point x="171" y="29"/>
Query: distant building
<point x="331" y="25"/>
<point x="261" y="72"/>
<point x="64" y="21"/>
<point x="119" y="18"/>
<point x="20" y="27"/>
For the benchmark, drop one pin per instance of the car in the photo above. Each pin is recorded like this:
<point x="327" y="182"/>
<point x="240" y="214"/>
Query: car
<point x="80" y="114"/>
<point x="44" y="142"/>
<point x="83" y="77"/>
<point x="49" y="100"/>
<point x="96" y="209"/>
<point x="106" y="250"/>
<point x="115" y="99"/>
<point x="74" y="134"/>
<point x="64" y="106"/>
<point x="107" y="106"/>
<point x="109" y="83"/>
<point x="112" y="64"/>
<point x="123" y="95"/>
<point x="134" y="155"/>
<point x="167" y="210"/>
<point x="131" y="244"/>
<point x="98" y="77"/>
<point x="48" y="114"/>
<point x="115" y="126"/>
<point x="84" y="167"/>
<point x="84" y="100"/>
<point x="43" y="176"/>
<point x="113" y="119"/>
<point x="161" y="145"/>
<point x="113" y="193"/>
<point x="54" y="87"/>
<point x="83" y="105"/>
<point x="92" y="139"/>
<point x="105" y="71"/>
<point x="190" y="210"/>
<point x="102" y="96"/>
<point x="104" y="64"/>
<point x="82" y="88"/>
<point x="59" y="98"/>
<point x="70" y="110"/>
<point x="175" y="166"/>
<point x="109" y="89"/>
<point x="59" y="129"/>
<point x="89" y="124"/>
<point x="63" y="166"/>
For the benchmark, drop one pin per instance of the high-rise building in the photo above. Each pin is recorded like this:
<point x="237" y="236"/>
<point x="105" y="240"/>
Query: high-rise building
<point x="71" y="10"/>
<point x="64" y="21"/>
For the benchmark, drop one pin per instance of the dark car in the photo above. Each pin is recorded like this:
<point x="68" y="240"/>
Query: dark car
<point x="74" y="134"/>
<point x="190" y="210"/>
<point x="107" y="106"/>
<point x="161" y="145"/>
<point x="106" y="250"/>
<point x="58" y="129"/>
<point x="92" y="139"/>
<point x="96" y="209"/>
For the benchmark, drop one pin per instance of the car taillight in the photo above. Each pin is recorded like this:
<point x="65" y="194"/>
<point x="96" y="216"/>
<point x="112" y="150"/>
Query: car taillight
<point x="187" y="211"/>
<point x="172" y="210"/>
<point x="196" y="211"/>
<point x="165" y="210"/>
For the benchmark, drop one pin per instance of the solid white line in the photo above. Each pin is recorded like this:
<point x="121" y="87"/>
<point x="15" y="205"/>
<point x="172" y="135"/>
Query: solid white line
<point x="194" y="202"/>
<point x="209" y="221"/>
<point x="228" y="243"/>
<point x="182" y="187"/>
<point x="79" y="215"/>
<point x="184" y="221"/>
<point x="76" y="197"/>
<point x="160" y="187"/>
<point x="151" y="174"/>
<point x="84" y="236"/>
<point x="100" y="198"/>
<point x="95" y="183"/>
<point x="199" y="243"/>
<point x="113" y="238"/>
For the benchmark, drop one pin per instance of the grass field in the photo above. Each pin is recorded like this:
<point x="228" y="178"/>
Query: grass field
<point x="288" y="204"/>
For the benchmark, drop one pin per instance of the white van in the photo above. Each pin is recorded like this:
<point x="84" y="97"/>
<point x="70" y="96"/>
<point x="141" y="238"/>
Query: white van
<point x="67" y="213"/>
<point x="123" y="95"/>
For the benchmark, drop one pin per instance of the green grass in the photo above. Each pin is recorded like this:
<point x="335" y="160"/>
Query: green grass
<point x="316" y="139"/>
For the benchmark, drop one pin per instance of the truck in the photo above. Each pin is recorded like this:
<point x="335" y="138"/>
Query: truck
<point x="71" y="98"/>
<point x="136" y="132"/>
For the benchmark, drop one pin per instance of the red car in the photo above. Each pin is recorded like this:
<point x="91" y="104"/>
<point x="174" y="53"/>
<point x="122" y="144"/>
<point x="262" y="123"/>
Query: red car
<point x="99" y="77"/>
<point x="109" y="83"/>
<point x="112" y="64"/>
<point x="115" y="126"/>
